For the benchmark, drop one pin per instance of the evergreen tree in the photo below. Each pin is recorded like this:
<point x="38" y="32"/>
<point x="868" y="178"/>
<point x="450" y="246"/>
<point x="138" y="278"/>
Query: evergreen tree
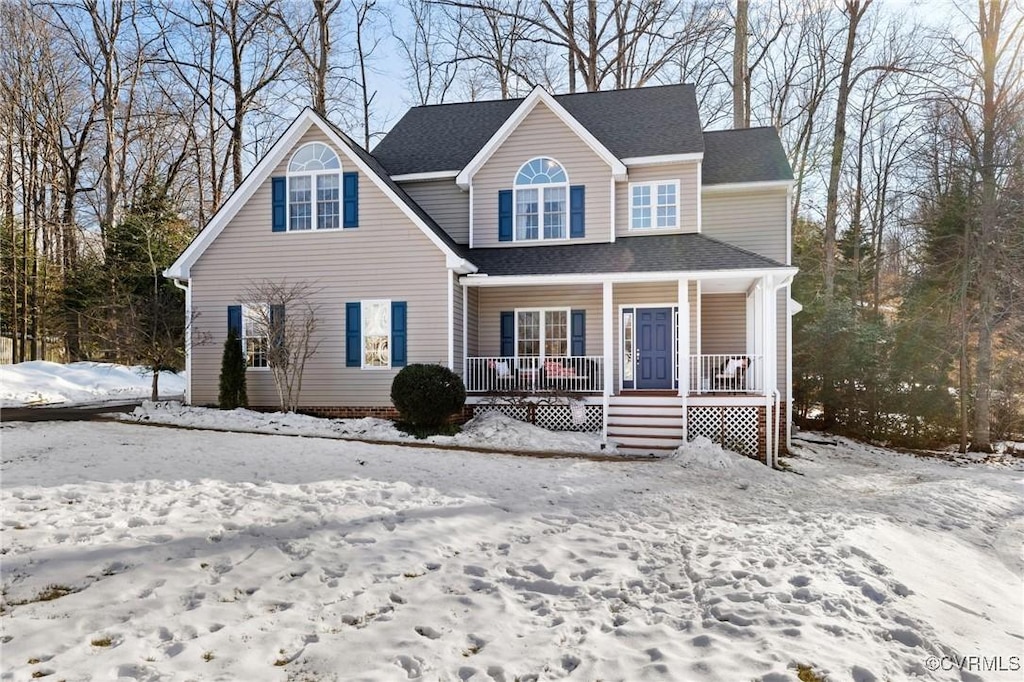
<point x="232" y="375"/>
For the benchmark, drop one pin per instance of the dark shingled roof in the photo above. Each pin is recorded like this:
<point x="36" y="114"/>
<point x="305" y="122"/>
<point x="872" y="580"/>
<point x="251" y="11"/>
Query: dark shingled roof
<point x="382" y="173"/>
<point x="640" y="122"/>
<point x="649" y="253"/>
<point x="744" y="155"/>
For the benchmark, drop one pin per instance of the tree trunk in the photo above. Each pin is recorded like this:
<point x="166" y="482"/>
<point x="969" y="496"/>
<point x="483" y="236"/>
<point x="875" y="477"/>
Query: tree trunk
<point x="740" y="117"/>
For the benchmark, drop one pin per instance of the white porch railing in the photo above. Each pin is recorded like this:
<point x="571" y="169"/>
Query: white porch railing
<point x="726" y="373"/>
<point x="576" y="374"/>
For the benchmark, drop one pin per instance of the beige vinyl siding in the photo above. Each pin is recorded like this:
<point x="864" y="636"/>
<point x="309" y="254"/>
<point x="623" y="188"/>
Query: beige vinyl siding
<point x="685" y="173"/>
<point x="386" y="257"/>
<point x="752" y="220"/>
<point x="446" y="203"/>
<point x="542" y="133"/>
<point x="723" y="324"/>
<point x="647" y="294"/>
<point x="493" y="301"/>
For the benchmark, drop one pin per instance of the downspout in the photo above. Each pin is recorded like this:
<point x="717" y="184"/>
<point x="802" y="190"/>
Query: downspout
<point x="778" y="418"/>
<point x="774" y="455"/>
<point x="188" y="339"/>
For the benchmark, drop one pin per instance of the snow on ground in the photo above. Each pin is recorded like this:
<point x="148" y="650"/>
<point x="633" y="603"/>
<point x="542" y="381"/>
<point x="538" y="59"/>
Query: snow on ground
<point x="487" y="430"/>
<point x="45" y="383"/>
<point x="175" y="554"/>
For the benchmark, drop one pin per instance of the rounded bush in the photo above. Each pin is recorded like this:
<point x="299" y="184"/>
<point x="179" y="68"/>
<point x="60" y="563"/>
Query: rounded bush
<point x="426" y="395"/>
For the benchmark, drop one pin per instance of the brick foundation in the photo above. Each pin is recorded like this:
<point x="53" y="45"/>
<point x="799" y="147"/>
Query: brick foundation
<point x="358" y="412"/>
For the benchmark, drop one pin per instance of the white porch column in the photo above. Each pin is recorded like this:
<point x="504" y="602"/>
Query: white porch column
<point x="683" y="350"/>
<point x="465" y="330"/>
<point x="607" y="352"/>
<point x="683" y="337"/>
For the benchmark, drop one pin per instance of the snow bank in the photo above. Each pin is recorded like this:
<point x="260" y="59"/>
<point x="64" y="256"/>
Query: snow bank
<point x="701" y="453"/>
<point x="46" y="383"/>
<point x="488" y="430"/>
<point x="497" y="430"/>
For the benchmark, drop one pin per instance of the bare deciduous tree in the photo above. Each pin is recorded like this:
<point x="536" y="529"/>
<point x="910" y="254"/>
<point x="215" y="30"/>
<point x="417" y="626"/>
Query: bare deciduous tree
<point x="286" y="315"/>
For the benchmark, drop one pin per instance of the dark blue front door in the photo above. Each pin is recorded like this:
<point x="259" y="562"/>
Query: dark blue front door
<point x="654" y="348"/>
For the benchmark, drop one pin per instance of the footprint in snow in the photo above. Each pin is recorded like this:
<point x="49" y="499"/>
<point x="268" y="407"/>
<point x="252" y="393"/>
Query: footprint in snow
<point x="427" y="631"/>
<point x="412" y="665"/>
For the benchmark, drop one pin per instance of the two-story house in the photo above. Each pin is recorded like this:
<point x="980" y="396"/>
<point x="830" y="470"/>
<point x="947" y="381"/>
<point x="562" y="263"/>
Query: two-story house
<point x="590" y="261"/>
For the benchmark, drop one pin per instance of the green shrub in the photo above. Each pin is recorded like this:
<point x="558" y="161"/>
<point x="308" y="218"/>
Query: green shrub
<point x="232" y="392"/>
<point x="426" y="395"/>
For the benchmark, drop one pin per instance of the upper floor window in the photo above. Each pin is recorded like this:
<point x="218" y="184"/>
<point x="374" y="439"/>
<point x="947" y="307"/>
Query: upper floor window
<point x="654" y="205"/>
<point x="314" y="188"/>
<point x="541" y="200"/>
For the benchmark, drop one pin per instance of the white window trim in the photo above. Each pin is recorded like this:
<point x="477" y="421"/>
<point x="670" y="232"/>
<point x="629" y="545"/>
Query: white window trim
<point x="362" y="334"/>
<point x="313" y="175"/>
<point x="245" y="350"/>
<point x="541" y="337"/>
<point x="654" y="184"/>
<point x="540" y="204"/>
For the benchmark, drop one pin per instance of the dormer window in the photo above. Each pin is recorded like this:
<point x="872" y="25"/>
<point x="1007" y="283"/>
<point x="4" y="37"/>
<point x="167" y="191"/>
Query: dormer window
<point x="654" y="205"/>
<point x="314" y="188"/>
<point x="541" y="198"/>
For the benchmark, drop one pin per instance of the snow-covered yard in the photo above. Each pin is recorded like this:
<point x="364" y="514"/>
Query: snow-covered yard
<point x="172" y="554"/>
<point x="80" y="383"/>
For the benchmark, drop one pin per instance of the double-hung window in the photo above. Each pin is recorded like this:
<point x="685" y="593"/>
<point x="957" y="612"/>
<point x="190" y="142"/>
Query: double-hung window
<point x="541" y="200"/>
<point x="542" y="333"/>
<point x="255" y="322"/>
<point x="314" y="188"/>
<point x="654" y="205"/>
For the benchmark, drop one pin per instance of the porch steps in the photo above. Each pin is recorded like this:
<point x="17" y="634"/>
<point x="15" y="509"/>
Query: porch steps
<point x="645" y="423"/>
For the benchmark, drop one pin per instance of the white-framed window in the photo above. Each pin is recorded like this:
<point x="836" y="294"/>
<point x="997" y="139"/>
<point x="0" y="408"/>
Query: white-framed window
<point x="376" y="334"/>
<point x="654" y="205"/>
<point x="254" y="335"/>
<point x="542" y="333"/>
<point x="314" y="188"/>
<point x="541" y="202"/>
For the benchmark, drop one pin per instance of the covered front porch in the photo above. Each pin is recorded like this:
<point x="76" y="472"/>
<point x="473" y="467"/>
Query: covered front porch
<point x="689" y="336"/>
<point x="633" y="356"/>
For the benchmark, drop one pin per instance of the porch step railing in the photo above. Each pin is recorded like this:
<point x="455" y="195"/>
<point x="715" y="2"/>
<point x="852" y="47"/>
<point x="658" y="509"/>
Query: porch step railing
<point x="726" y="373"/>
<point x="571" y="374"/>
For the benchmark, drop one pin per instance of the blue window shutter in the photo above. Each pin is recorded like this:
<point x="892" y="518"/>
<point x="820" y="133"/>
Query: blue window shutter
<point x="398" y="334"/>
<point x="505" y="215"/>
<point x="278" y="203"/>
<point x="577" y="211"/>
<point x="350" y="199"/>
<point x="508" y="334"/>
<point x="277" y="324"/>
<point x="235" y="319"/>
<point x="353" y="339"/>
<point x="579" y="332"/>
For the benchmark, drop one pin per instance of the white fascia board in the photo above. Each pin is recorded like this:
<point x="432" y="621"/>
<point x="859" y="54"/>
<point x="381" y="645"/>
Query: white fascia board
<point x="539" y="94"/>
<point x="747" y="186"/>
<point x="179" y="269"/>
<point x="431" y="175"/>
<point x="484" y="280"/>
<point x="662" y="159"/>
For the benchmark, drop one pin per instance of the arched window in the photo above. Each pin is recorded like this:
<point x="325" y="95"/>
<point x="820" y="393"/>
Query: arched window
<point x="541" y="197"/>
<point x="314" y="188"/>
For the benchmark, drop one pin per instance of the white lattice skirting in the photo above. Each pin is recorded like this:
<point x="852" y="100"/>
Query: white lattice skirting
<point x="734" y="428"/>
<point x="559" y="417"/>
